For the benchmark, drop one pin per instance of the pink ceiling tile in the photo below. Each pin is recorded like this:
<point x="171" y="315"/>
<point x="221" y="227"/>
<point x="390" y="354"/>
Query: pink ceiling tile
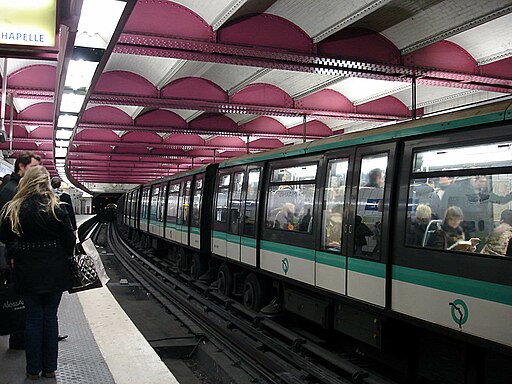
<point x="313" y="127"/>
<point x="326" y="99"/>
<point x="213" y="121"/>
<point x="442" y="55"/>
<point x="141" y="137"/>
<point x="169" y="152"/>
<point x="94" y="148"/>
<point x="142" y="150"/>
<point x="34" y="76"/>
<point x="194" y="88"/>
<point x="42" y="133"/>
<point x="161" y="117"/>
<point x="265" y="30"/>
<point x="226" y="141"/>
<point x="39" y="111"/>
<point x="45" y="147"/>
<point x="8" y="111"/>
<point x="360" y="44"/>
<point x="168" y="18"/>
<point x="263" y="94"/>
<point x="263" y="124"/>
<point x="97" y="135"/>
<point x="184" y="139"/>
<point x="124" y="82"/>
<point x="17" y="132"/>
<point x="500" y="68"/>
<point x="233" y="153"/>
<point x="388" y="105"/>
<point x="266" y="143"/>
<point x="106" y="114"/>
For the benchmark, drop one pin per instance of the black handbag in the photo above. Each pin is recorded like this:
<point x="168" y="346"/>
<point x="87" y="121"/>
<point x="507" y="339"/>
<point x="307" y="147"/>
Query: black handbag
<point x="83" y="271"/>
<point x="12" y="310"/>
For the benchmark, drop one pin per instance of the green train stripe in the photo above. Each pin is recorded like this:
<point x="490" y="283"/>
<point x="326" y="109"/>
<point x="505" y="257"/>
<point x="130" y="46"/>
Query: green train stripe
<point x="331" y="259"/>
<point x="248" y="242"/>
<point x="195" y="231"/>
<point x="461" y="285"/>
<point x="233" y="238"/>
<point x="288" y="250"/>
<point x="367" y="267"/>
<point x="219" y="235"/>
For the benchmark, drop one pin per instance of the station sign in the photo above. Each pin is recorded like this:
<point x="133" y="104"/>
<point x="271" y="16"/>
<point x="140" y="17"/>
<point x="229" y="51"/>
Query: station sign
<point x="28" y="22"/>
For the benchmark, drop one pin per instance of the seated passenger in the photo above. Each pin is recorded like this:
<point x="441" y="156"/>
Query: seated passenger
<point x="285" y="217"/>
<point x="417" y="228"/>
<point x="498" y="240"/>
<point x="333" y="227"/>
<point x="450" y="234"/>
<point x="361" y="231"/>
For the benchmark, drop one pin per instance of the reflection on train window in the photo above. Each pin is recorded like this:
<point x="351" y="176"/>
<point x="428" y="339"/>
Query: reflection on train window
<point x="145" y="203"/>
<point x="467" y="213"/>
<point x="476" y="156"/>
<point x="172" y="203"/>
<point x="154" y="203"/>
<point x="235" y="205"/>
<point x="161" y="204"/>
<point x="196" y="208"/>
<point x="291" y="196"/>
<point x="222" y="198"/>
<point x="185" y="202"/>
<point x="370" y="206"/>
<point x="334" y="204"/>
<point x="251" y="203"/>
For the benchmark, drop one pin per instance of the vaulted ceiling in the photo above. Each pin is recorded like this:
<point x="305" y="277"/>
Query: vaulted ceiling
<point x="191" y="82"/>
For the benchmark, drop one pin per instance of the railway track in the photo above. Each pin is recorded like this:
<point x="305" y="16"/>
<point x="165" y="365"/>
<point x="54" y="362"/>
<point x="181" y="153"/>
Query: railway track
<point x="268" y="351"/>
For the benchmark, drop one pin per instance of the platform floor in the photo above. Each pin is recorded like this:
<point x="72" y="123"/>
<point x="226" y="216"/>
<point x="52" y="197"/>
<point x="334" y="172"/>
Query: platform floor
<point x="103" y="346"/>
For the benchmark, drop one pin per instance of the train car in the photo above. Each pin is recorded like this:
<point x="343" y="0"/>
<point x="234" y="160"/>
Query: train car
<point x="395" y="234"/>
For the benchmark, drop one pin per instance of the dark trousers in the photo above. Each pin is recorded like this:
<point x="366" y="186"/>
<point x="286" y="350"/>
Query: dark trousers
<point x="41" y="332"/>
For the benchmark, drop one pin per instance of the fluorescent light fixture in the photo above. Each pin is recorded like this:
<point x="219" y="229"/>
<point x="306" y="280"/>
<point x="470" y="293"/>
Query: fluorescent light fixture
<point x="63" y="134"/>
<point x="98" y="21"/>
<point x="62" y="143"/>
<point x="71" y="102"/>
<point x="61" y="152"/>
<point x="80" y="74"/>
<point x="67" y="121"/>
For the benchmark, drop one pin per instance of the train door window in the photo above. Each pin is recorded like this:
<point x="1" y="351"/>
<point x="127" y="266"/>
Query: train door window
<point x="235" y="206"/>
<point x="291" y="196"/>
<point x="221" y="205"/>
<point x="196" y="207"/>
<point x="172" y="202"/>
<point x="251" y="202"/>
<point x="185" y="201"/>
<point x="370" y="206"/>
<point x="155" y="192"/>
<point x="460" y="199"/>
<point x="145" y="203"/>
<point x="160" y="213"/>
<point x="334" y="204"/>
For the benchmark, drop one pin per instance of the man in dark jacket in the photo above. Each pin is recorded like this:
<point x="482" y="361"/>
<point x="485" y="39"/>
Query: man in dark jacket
<point x="21" y="165"/>
<point x="64" y="198"/>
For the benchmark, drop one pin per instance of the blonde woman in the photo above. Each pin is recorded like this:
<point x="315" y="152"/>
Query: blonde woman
<point x="45" y="240"/>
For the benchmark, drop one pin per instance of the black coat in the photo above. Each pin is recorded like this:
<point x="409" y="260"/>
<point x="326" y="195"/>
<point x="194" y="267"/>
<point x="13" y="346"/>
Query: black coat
<point x="43" y="268"/>
<point x="9" y="189"/>
<point x="66" y="199"/>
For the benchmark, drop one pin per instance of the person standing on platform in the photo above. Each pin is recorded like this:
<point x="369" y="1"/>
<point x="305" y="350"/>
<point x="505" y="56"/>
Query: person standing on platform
<point x="45" y="241"/>
<point x="22" y="164"/>
<point x="64" y="198"/>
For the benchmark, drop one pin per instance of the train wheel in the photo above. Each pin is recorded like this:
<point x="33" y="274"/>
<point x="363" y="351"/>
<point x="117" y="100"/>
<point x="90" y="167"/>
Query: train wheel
<point x="181" y="260"/>
<point x="224" y="280"/>
<point x="196" y="266"/>
<point x="253" y="292"/>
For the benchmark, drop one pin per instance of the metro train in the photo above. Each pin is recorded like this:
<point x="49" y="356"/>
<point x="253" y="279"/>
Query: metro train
<point x="338" y="231"/>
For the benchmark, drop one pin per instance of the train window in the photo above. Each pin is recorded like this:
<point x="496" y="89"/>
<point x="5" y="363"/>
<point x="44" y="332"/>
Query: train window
<point x="161" y="204"/>
<point x="185" y="202"/>
<point x="196" y="208"/>
<point x="334" y="204"/>
<point x="172" y="203"/>
<point x="251" y="203"/>
<point x="154" y="203"/>
<point x="370" y="203"/>
<point x="145" y="202"/>
<point x="475" y="156"/>
<point x="236" y="203"/>
<point x="467" y="213"/>
<point x="221" y="205"/>
<point x="291" y="197"/>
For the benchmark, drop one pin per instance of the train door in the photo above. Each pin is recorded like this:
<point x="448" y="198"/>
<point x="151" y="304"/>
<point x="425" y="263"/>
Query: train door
<point x="332" y="246"/>
<point x="220" y="215"/>
<point x="195" y="219"/>
<point x="171" y="231"/>
<point x="144" y="210"/>
<point x="248" y="247"/>
<point x="235" y="214"/>
<point x="367" y="228"/>
<point x="153" y="208"/>
<point x="160" y="211"/>
<point x="183" y="212"/>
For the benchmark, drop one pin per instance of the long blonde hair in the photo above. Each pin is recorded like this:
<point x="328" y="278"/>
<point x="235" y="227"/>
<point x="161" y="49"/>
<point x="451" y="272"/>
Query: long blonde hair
<point x="36" y="181"/>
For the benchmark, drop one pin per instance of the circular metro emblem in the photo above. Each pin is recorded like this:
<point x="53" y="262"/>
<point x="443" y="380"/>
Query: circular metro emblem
<point x="285" y="265"/>
<point x="459" y="311"/>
